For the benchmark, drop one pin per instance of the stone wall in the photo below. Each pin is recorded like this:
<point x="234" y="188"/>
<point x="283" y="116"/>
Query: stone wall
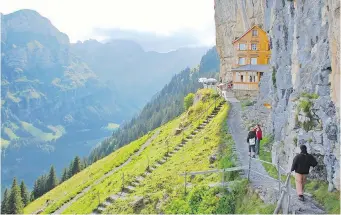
<point x="303" y="87"/>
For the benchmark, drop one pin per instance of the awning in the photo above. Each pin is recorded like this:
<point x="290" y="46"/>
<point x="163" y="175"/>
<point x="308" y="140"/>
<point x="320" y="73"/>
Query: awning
<point x="251" y="67"/>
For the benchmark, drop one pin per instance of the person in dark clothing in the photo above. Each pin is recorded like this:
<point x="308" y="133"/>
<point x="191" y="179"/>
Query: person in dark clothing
<point x="251" y="140"/>
<point x="301" y="165"/>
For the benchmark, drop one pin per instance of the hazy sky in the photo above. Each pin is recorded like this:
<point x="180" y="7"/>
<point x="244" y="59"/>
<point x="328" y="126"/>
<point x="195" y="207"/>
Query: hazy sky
<point x="79" y="19"/>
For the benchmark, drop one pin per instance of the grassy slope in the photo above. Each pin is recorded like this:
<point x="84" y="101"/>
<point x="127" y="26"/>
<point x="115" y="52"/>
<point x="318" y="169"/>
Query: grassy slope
<point x="65" y="191"/>
<point x="163" y="190"/>
<point x="319" y="189"/>
<point x="153" y="153"/>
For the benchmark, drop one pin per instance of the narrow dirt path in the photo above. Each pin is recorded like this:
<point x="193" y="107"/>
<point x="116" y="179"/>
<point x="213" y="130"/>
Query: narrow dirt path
<point x="262" y="183"/>
<point x="74" y="199"/>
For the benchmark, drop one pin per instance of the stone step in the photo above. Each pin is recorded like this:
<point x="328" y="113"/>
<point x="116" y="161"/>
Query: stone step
<point x="129" y="189"/>
<point x="139" y="178"/>
<point x="105" y="204"/>
<point x="145" y="174"/>
<point x="100" y="209"/>
<point x="135" y="184"/>
<point x="123" y="194"/>
<point x="162" y="161"/>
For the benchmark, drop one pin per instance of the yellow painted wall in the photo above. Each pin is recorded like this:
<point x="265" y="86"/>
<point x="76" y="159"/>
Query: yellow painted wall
<point x="262" y="53"/>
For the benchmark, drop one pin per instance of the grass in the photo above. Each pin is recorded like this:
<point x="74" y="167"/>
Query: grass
<point x="330" y="200"/>
<point x="164" y="192"/>
<point x="265" y="154"/>
<point x="245" y="104"/>
<point x="67" y="190"/>
<point x="166" y="179"/>
<point x="57" y="132"/>
<point x="151" y="154"/>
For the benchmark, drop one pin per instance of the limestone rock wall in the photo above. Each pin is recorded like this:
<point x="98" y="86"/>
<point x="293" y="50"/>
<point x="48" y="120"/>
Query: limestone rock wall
<point x="233" y="18"/>
<point x="303" y="87"/>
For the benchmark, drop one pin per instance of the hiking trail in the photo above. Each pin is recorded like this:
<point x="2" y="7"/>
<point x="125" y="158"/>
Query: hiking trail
<point x="259" y="182"/>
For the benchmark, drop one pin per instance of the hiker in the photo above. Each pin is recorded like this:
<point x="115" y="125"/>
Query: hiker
<point x="259" y="137"/>
<point x="301" y="165"/>
<point x="251" y="140"/>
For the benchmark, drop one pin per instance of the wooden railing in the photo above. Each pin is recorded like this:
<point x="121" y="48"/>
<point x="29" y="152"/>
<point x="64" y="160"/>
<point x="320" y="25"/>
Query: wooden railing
<point x="284" y="188"/>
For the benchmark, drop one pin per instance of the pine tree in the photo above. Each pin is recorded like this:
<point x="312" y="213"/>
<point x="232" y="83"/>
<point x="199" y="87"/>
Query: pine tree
<point x="15" y="205"/>
<point x="52" y="181"/>
<point x="4" y="203"/>
<point x="35" y="191"/>
<point x="70" y="174"/>
<point x="65" y="175"/>
<point x="24" y="194"/>
<point x="76" y="166"/>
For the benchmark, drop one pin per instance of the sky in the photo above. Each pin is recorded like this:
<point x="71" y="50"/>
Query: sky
<point x="89" y="19"/>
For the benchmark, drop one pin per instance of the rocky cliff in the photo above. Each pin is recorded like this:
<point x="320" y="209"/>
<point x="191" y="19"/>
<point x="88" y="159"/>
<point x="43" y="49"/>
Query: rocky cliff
<point x="303" y="86"/>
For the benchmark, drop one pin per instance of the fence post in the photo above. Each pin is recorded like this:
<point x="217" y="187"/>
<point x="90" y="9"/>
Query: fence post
<point x="279" y="177"/>
<point x="185" y="182"/>
<point x="223" y="179"/>
<point x="167" y="148"/>
<point x="122" y="181"/>
<point x="248" y="174"/>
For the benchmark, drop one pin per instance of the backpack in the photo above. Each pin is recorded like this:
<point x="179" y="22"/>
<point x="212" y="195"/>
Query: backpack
<point x="252" y="141"/>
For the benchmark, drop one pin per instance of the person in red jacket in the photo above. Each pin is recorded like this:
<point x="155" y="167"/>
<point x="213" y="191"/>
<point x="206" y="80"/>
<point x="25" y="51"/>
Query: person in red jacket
<point x="259" y="137"/>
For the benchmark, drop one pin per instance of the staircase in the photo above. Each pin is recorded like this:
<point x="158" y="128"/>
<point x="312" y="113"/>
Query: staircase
<point x="127" y="190"/>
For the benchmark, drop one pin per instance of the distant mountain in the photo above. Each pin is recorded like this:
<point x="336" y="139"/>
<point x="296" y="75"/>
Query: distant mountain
<point x="60" y="99"/>
<point x="132" y="72"/>
<point x="163" y="107"/>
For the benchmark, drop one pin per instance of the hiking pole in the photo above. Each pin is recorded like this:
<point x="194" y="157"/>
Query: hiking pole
<point x="185" y="182"/>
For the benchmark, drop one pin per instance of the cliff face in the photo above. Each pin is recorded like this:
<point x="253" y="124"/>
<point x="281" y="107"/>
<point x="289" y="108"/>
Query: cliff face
<point x="303" y="87"/>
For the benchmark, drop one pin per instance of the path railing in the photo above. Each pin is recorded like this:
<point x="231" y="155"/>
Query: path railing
<point x="284" y="188"/>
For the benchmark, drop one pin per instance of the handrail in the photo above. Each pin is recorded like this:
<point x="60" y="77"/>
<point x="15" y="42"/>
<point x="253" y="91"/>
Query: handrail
<point x="280" y="201"/>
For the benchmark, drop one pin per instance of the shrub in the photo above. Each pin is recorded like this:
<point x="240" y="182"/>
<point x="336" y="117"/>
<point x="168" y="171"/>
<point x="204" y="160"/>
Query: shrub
<point x="188" y="101"/>
<point x="310" y="95"/>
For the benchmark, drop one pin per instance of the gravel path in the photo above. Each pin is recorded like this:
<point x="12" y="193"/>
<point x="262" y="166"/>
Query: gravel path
<point x="263" y="184"/>
<point x="74" y="199"/>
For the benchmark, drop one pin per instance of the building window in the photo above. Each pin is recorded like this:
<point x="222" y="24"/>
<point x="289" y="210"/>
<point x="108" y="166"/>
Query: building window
<point x="241" y="61"/>
<point x="254" y="33"/>
<point x="254" y="47"/>
<point x="253" y="60"/>
<point x="242" y="46"/>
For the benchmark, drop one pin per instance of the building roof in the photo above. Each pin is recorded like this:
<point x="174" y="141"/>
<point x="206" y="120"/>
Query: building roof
<point x="251" y="67"/>
<point x="255" y="26"/>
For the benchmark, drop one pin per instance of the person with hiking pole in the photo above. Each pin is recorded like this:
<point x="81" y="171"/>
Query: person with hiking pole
<point x="251" y="140"/>
<point x="301" y="165"/>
